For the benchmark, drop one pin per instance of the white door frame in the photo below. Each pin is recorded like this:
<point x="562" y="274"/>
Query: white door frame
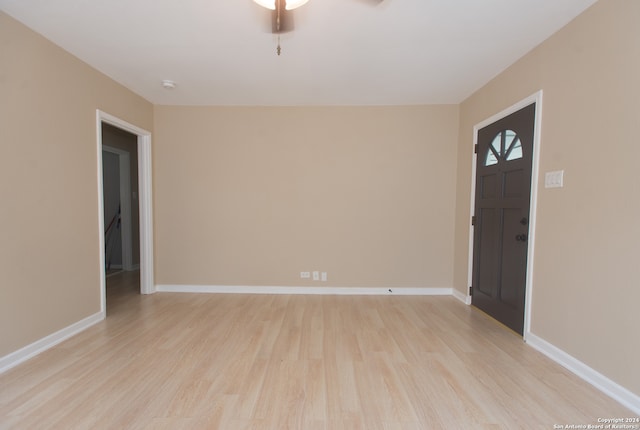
<point x="124" y="165"/>
<point x="537" y="99"/>
<point x="145" y="200"/>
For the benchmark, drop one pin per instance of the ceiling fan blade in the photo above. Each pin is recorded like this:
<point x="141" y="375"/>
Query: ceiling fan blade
<point x="282" y="21"/>
<point x="269" y="18"/>
<point x="372" y="2"/>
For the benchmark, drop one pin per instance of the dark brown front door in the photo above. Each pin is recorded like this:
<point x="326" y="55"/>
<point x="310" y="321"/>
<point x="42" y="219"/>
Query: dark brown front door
<point x="503" y="191"/>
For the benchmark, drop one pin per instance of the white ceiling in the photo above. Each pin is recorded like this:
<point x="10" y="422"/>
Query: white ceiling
<point x="342" y="52"/>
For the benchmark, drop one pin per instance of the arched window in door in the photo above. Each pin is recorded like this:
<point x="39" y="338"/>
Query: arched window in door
<point x="506" y="146"/>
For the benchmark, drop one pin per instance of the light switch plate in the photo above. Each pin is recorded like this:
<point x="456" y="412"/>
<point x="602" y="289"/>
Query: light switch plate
<point x="554" y="179"/>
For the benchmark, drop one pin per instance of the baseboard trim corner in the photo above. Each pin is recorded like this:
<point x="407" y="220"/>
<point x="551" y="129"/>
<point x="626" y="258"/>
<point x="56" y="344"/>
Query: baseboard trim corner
<point x="354" y="291"/>
<point x="462" y="297"/>
<point x="598" y="380"/>
<point x="23" y="354"/>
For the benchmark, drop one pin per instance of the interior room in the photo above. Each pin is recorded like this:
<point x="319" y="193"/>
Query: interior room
<point x="306" y="192"/>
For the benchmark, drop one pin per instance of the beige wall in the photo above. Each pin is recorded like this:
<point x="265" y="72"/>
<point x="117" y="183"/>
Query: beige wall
<point x="254" y="196"/>
<point x="585" y="292"/>
<point x="49" y="262"/>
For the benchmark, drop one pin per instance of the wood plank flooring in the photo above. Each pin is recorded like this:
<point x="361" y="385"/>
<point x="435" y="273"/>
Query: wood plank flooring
<point x="197" y="361"/>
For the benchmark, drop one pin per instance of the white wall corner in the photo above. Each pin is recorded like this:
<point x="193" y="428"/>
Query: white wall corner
<point x="23" y="354"/>
<point x="598" y="380"/>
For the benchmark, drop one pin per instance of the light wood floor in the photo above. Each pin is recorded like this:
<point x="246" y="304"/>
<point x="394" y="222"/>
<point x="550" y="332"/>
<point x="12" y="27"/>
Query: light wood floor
<point x="191" y="361"/>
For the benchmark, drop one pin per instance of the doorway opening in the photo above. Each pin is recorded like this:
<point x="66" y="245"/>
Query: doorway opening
<point x="125" y="239"/>
<point x="499" y="200"/>
<point x="120" y="198"/>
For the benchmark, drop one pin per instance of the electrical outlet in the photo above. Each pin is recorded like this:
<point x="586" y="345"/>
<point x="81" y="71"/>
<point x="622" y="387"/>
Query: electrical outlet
<point x="305" y="275"/>
<point x="316" y="275"/>
<point x="323" y="276"/>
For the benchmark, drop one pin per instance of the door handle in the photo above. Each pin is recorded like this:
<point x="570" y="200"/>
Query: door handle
<point x="521" y="237"/>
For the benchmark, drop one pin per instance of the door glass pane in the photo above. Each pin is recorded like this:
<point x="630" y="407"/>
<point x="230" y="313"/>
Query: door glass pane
<point x="505" y="146"/>
<point x="493" y="152"/>
<point x="495" y="144"/>
<point x="515" y="146"/>
<point x="491" y="159"/>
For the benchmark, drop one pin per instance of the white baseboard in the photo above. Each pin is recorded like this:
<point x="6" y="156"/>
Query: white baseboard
<point x="601" y="382"/>
<point x="29" y="351"/>
<point x="462" y="297"/>
<point x="232" y="289"/>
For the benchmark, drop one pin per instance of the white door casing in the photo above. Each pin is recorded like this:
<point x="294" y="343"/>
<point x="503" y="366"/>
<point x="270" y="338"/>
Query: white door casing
<point x="145" y="201"/>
